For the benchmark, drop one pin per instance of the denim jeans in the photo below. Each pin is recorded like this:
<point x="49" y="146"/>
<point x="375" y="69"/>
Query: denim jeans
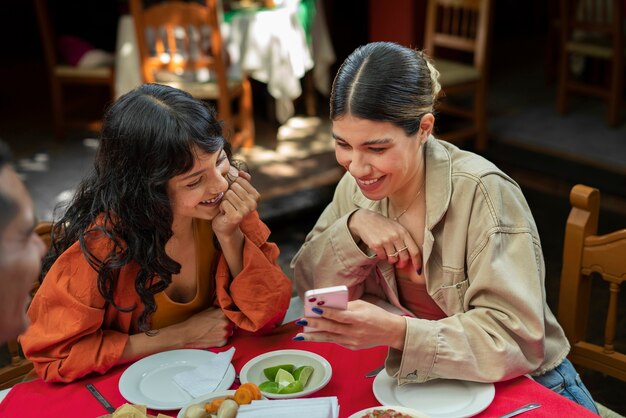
<point x="565" y="381"/>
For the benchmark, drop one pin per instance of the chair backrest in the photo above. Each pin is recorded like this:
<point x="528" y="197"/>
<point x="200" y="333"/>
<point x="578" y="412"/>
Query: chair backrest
<point x="593" y="31"/>
<point x="180" y="44"/>
<point x="457" y="38"/>
<point x="599" y="22"/>
<point x="459" y="25"/>
<point x="585" y="253"/>
<point x="180" y="40"/>
<point x="61" y="74"/>
<point x="15" y="366"/>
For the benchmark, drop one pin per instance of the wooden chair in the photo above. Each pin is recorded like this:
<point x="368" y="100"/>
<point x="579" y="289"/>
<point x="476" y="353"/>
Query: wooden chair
<point x="180" y="44"/>
<point x="18" y="367"/>
<point x="61" y="75"/>
<point x="585" y="253"/>
<point x="457" y="29"/>
<point x="593" y="31"/>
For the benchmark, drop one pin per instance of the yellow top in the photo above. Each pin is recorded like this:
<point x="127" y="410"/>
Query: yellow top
<point x="169" y="312"/>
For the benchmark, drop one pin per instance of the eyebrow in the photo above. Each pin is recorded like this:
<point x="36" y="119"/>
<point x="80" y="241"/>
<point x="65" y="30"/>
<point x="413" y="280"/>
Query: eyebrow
<point x="197" y="173"/>
<point x="380" y="141"/>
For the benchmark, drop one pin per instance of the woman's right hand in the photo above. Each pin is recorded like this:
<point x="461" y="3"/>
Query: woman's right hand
<point x="209" y="328"/>
<point x="387" y="238"/>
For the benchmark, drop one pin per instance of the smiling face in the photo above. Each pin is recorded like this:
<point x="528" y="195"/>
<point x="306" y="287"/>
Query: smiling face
<point x="379" y="155"/>
<point x="199" y="192"/>
<point x="21" y="251"/>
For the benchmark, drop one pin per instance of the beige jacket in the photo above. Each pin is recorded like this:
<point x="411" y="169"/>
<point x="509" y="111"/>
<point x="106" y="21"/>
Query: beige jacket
<point x="483" y="266"/>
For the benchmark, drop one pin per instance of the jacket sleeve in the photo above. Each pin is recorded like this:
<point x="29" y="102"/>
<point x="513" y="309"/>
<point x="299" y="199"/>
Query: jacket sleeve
<point x="329" y="255"/>
<point x="66" y="339"/>
<point x="258" y="297"/>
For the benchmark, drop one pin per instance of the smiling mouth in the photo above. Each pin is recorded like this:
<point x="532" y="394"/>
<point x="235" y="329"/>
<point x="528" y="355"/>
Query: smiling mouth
<point x="369" y="182"/>
<point x="212" y="202"/>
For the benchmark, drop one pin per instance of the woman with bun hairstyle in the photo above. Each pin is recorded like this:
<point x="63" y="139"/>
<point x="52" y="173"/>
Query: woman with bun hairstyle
<point x="437" y="246"/>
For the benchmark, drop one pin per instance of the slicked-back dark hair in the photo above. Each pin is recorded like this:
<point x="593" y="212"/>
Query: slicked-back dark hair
<point x="386" y="82"/>
<point x="149" y="136"/>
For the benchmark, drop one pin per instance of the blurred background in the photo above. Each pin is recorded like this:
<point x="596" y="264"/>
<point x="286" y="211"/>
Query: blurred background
<point x="526" y="131"/>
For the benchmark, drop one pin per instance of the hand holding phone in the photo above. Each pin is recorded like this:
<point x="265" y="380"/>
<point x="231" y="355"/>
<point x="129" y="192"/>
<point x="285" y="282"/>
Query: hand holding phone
<point x="333" y="297"/>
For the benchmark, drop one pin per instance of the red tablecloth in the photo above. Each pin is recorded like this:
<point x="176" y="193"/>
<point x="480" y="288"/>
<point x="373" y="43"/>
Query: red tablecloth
<point x="37" y="399"/>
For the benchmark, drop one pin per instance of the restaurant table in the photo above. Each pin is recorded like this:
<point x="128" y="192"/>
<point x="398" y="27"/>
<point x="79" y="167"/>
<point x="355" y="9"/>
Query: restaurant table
<point x="348" y="383"/>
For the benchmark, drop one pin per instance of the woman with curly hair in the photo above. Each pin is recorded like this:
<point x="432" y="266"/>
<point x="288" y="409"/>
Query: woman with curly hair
<point x="161" y="247"/>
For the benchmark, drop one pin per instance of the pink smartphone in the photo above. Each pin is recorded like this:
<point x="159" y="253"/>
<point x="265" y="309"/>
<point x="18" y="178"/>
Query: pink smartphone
<point x="332" y="297"/>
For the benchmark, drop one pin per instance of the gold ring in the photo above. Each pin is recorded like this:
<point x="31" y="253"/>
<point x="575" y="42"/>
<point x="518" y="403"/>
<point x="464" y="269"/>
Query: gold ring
<point x="398" y="251"/>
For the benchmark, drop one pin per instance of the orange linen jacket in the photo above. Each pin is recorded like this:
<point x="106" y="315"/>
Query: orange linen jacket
<point x="75" y="332"/>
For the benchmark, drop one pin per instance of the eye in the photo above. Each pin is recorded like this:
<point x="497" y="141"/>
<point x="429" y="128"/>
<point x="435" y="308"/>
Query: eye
<point x="195" y="183"/>
<point x="223" y="157"/>
<point x="377" y="150"/>
<point x="342" y="144"/>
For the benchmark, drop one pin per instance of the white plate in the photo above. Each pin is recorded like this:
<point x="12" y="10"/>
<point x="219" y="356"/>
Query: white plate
<point x="408" y="411"/>
<point x="436" y="398"/>
<point x="252" y="371"/>
<point x="149" y="380"/>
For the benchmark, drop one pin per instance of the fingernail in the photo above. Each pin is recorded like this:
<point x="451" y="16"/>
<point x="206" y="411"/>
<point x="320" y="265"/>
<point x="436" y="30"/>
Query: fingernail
<point x="317" y="310"/>
<point x="302" y="322"/>
<point x="298" y="338"/>
<point x="419" y="271"/>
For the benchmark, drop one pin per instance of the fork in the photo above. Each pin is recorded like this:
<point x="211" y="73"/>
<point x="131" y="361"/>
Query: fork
<point x="374" y="372"/>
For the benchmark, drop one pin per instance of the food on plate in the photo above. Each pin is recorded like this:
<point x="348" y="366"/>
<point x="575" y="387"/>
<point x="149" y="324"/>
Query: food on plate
<point x="286" y="378"/>
<point x="270" y="372"/>
<point x="133" y="411"/>
<point x="226" y="406"/>
<point x="228" y="409"/>
<point x="196" y="410"/>
<point x="386" y="413"/>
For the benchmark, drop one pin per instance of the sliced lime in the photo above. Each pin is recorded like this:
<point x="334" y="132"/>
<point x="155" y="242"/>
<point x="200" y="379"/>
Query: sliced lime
<point x="283" y="378"/>
<point x="293" y="387"/>
<point x="302" y="374"/>
<point x="269" y="387"/>
<point x="270" y="372"/>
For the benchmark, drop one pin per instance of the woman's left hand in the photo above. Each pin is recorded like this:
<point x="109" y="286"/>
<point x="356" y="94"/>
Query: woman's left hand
<point x="362" y="325"/>
<point x="239" y="200"/>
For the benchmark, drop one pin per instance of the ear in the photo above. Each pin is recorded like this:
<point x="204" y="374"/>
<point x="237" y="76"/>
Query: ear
<point x="426" y="127"/>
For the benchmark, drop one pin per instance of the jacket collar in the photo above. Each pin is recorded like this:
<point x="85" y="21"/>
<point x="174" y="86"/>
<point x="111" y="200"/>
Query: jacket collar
<point x="438" y="181"/>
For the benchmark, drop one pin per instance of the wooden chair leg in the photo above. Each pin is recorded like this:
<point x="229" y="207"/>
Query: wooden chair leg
<point x="561" y="99"/>
<point x="480" y="117"/>
<point x="310" y="99"/>
<point x="246" y="115"/>
<point x="57" y="110"/>
<point x="615" y="96"/>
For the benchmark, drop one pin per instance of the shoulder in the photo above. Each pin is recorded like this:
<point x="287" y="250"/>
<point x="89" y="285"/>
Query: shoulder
<point x="479" y="184"/>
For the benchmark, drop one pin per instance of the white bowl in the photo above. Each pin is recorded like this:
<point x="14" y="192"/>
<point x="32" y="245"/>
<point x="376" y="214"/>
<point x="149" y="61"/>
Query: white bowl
<point x="252" y="371"/>
<point x="407" y="411"/>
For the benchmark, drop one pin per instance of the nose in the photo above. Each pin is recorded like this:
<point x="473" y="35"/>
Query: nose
<point x="359" y="166"/>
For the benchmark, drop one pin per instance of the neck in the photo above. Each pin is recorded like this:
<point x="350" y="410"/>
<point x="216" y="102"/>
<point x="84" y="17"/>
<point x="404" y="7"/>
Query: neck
<point x="414" y="185"/>
<point x="182" y="228"/>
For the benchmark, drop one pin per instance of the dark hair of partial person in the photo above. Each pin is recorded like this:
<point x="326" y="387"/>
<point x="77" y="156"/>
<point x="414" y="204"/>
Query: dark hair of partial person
<point x="149" y="135"/>
<point x="386" y="82"/>
<point x="8" y="206"/>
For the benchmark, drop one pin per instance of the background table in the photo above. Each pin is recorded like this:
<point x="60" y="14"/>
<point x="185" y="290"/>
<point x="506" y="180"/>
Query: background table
<point x="269" y="45"/>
